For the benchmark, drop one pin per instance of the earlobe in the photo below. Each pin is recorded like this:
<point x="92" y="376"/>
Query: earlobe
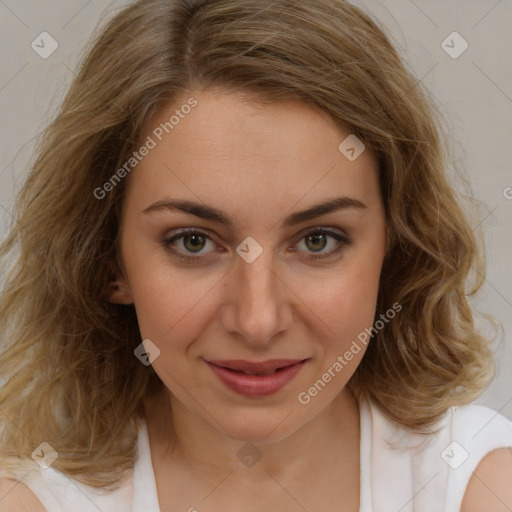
<point x="119" y="292"/>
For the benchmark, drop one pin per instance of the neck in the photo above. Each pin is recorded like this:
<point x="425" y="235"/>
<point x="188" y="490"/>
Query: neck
<point x="330" y="439"/>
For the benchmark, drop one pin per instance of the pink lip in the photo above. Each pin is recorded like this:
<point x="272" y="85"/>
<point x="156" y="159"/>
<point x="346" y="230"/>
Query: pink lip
<point x="256" y="385"/>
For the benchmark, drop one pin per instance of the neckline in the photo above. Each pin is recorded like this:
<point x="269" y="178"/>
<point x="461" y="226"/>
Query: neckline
<point x="145" y="494"/>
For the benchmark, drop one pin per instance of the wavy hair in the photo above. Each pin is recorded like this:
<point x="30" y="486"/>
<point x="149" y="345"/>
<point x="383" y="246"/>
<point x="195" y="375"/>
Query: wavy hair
<point x="71" y="378"/>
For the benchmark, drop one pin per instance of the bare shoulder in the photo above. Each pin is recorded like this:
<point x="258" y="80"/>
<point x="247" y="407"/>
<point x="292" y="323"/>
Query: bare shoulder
<point x="489" y="488"/>
<point x="17" y="497"/>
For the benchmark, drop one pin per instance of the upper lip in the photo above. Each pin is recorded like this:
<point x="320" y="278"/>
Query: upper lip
<point x="250" y="366"/>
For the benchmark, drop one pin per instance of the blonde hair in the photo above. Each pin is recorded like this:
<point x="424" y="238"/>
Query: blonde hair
<point x="72" y="377"/>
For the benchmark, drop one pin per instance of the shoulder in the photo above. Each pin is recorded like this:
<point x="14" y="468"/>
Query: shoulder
<point x="465" y="458"/>
<point x="479" y="429"/>
<point x="17" y="497"/>
<point x="489" y="487"/>
<point x="486" y="435"/>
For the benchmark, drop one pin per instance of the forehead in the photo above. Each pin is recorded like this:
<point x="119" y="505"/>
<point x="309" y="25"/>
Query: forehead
<point x="229" y="148"/>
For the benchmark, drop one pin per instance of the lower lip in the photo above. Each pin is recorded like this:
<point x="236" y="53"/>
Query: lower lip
<point x="256" y="385"/>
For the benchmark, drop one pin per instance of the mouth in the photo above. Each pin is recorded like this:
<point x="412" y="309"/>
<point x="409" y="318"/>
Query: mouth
<point x="256" y="368"/>
<point x="255" y="379"/>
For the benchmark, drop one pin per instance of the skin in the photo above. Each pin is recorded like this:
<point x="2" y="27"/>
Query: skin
<point x="489" y="488"/>
<point x="257" y="163"/>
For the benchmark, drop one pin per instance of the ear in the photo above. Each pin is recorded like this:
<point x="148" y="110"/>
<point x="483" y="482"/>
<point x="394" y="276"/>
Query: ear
<point x="119" y="292"/>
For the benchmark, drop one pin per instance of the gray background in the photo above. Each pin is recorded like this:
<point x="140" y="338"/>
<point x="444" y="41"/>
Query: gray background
<point x="474" y="91"/>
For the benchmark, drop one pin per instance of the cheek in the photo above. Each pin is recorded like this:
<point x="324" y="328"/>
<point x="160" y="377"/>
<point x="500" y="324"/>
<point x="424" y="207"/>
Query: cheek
<point x="352" y="295"/>
<point x="164" y="297"/>
<point x="167" y="306"/>
<point x="349" y="311"/>
<point x="347" y="307"/>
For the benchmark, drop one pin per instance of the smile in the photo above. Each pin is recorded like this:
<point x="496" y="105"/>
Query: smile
<point x="256" y="379"/>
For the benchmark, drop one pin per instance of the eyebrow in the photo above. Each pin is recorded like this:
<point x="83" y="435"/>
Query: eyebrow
<point x="210" y="213"/>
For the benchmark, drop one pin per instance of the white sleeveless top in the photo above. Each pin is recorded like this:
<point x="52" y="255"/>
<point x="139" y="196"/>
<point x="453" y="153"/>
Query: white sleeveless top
<point x="420" y="474"/>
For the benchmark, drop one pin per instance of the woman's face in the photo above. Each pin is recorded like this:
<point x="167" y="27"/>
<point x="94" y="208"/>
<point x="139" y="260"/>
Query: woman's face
<point x="262" y="276"/>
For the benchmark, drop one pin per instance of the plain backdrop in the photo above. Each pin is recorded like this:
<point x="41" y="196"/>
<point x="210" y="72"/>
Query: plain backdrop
<point x="472" y="85"/>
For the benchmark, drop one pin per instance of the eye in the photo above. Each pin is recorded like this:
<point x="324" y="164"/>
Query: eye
<point x="190" y="242"/>
<point x="318" y="239"/>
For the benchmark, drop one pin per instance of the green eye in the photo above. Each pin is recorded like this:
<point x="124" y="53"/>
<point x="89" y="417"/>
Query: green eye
<point x="318" y="239"/>
<point x="193" y="241"/>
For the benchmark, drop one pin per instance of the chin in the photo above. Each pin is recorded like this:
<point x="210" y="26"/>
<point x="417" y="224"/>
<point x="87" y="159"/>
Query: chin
<point x="260" y="427"/>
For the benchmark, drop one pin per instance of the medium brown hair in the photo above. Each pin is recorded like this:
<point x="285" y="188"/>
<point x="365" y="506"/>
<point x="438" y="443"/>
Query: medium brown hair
<point x="72" y="378"/>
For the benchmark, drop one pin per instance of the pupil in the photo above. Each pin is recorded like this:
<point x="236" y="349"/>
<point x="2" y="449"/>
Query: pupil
<point x="317" y="238"/>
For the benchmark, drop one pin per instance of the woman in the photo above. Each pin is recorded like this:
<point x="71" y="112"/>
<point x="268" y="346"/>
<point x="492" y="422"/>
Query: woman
<point x="240" y="279"/>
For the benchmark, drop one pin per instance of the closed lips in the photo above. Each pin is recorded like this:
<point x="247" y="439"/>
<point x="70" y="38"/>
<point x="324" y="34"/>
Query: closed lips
<point x="270" y="372"/>
<point x="256" y="368"/>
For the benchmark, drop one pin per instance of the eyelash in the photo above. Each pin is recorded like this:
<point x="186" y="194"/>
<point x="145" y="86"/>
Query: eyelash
<point x="169" y="242"/>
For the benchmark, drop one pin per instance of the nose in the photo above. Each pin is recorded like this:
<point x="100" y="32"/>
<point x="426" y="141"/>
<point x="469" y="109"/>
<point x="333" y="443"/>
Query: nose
<point x="258" y="304"/>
